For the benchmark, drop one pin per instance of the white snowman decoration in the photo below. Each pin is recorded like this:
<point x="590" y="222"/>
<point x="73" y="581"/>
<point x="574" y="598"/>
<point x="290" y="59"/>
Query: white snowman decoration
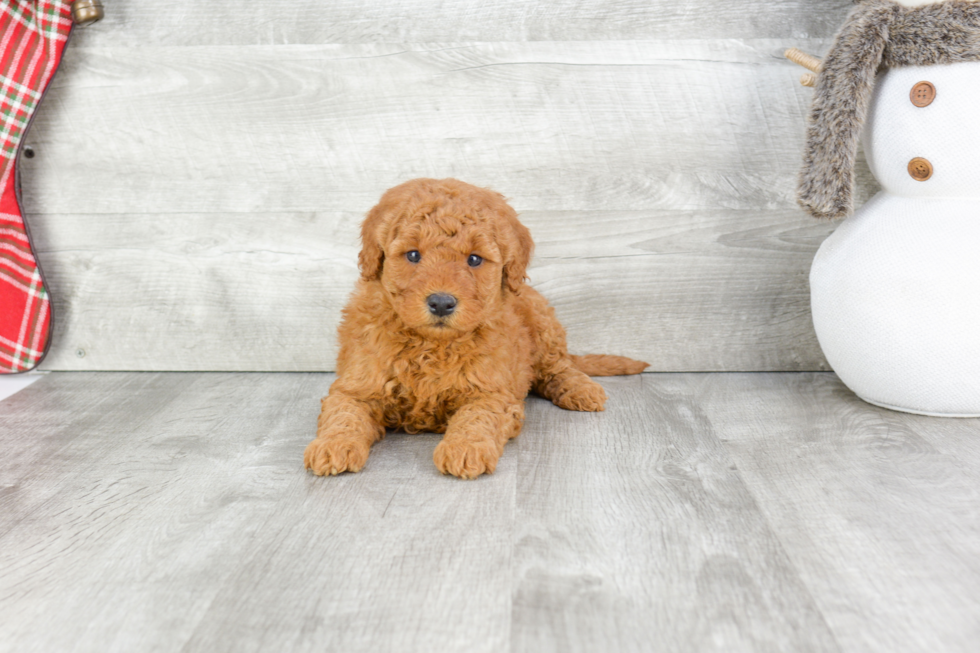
<point x="895" y="290"/>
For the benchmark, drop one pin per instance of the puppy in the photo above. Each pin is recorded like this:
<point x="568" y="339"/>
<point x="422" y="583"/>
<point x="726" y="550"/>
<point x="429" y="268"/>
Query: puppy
<point x="442" y="334"/>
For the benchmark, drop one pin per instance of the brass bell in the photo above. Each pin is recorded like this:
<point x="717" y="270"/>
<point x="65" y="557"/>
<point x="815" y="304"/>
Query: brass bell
<point x="86" y="12"/>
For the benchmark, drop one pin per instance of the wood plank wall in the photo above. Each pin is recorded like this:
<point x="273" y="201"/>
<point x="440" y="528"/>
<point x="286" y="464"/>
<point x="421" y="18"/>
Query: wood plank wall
<point x="201" y="169"/>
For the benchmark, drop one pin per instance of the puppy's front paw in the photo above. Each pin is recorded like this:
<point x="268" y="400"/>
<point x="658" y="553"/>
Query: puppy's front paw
<point x="332" y="456"/>
<point x="466" y="458"/>
<point x="585" y="395"/>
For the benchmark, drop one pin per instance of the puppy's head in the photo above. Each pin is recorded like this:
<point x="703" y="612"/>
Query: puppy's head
<point x="445" y="252"/>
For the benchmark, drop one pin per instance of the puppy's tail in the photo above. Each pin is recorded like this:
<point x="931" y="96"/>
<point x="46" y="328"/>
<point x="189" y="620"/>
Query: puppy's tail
<point x="605" y="365"/>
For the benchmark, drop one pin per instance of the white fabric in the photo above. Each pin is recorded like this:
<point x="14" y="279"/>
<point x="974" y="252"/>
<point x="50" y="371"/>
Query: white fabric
<point x="947" y="132"/>
<point x="895" y="290"/>
<point x="11" y="384"/>
<point x="895" y="294"/>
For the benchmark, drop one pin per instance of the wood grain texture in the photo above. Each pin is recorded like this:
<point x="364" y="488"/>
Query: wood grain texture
<point x="618" y="125"/>
<point x="172" y="512"/>
<point x="689" y="290"/>
<point x="279" y="22"/>
<point x="700" y="512"/>
<point x="878" y="510"/>
<point x="635" y="532"/>
<point x="140" y="516"/>
<point x="203" y="215"/>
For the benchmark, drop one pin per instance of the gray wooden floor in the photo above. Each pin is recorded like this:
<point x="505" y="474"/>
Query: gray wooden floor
<point x="729" y="512"/>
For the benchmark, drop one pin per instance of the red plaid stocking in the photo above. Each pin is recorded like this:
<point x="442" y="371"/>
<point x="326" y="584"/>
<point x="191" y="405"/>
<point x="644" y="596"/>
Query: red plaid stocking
<point x="33" y="34"/>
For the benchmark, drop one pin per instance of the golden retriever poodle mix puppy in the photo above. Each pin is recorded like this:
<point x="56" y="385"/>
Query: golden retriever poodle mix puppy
<point x="442" y="334"/>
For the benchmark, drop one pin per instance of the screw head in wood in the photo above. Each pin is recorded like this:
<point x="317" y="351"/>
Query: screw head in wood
<point x="86" y="12"/>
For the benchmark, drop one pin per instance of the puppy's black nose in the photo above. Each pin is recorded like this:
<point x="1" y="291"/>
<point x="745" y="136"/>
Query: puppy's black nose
<point x="441" y="304"/>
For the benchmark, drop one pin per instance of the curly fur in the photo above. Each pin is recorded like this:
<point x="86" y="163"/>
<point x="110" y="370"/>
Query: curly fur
<point x="877" y="33"/>
<point x="465" y="374"/>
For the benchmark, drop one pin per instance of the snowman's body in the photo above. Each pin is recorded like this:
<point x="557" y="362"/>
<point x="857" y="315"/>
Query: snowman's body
<point x="895" y="289"/>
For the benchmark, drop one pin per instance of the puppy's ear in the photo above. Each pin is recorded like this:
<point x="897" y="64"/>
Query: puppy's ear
<point x="372" y="256"/>
<point x="516" y="245"/>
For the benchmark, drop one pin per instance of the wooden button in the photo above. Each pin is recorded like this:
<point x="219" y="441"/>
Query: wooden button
<point x="923" y="94"/>
<point x="920" y="168"/>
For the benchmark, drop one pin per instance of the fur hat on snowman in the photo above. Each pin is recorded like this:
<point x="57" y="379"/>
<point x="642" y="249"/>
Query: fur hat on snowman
<point x="877" y="34"/>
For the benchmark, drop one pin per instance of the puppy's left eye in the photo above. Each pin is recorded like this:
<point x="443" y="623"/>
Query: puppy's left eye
<point x="474" y="260"/>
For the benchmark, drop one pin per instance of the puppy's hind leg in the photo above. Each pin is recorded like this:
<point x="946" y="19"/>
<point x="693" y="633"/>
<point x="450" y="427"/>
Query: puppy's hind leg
<point x="556" y="375"/>
<point x="346" y="429"/>
<point x="568" y="388"/>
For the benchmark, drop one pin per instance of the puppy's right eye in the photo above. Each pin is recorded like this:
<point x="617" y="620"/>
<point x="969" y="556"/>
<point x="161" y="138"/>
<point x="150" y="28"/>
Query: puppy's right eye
<point x="413" y="256"/>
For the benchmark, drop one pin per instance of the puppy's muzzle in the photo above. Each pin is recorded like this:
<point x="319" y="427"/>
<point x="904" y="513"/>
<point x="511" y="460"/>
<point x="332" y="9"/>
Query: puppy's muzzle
<point x="441" y="304"/>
